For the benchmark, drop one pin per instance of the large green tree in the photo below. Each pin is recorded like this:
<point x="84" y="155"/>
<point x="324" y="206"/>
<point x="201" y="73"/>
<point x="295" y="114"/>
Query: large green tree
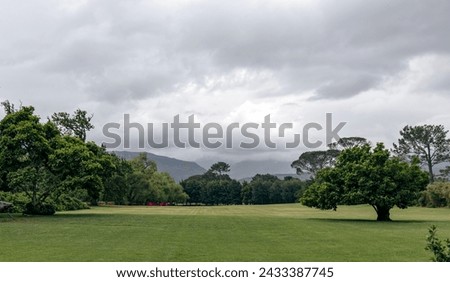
<point x="40" y="161"/>
<point x="428" y="142"/>
<point x="145" y="184"/>
<point x="140" y="191"/>
<point x="363" y="175"/>
<point x="169" y="190"/>
<point x="25" y="147"/>
<point x="80" y="166"/>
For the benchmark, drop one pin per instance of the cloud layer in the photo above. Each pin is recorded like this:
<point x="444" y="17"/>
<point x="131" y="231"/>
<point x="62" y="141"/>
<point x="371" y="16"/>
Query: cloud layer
<point x="378" y="65"/>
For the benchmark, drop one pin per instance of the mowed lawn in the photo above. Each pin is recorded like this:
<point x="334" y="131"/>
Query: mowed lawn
<point x="223" y="233"/>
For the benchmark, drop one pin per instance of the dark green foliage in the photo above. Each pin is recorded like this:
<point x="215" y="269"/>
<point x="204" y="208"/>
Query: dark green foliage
<point x="80" y="165"/>
<point x="260" y="187"/>
<point x="19" y="201"/>
<point x="436" y="195"/>
<point x="137" y="182"/>
<point x="365" y="176"/>
<point x="292" y="189"/>
<point x="39" y="209"/>
<point x="67" y="202"/>
<point x="221" y="192"/>
<point x="193" y="187"/>
<point x="22" y="205"/>
<point x="138" y="190"/>
<point x="116" y="189"/>
<point x="268" y="189"/>
<point x="39" y="161"/>
<point x="165" y="189"/>
<point x="214" y="187"/>
<point x="440" y="250"/>
<point x="246" y="193"/>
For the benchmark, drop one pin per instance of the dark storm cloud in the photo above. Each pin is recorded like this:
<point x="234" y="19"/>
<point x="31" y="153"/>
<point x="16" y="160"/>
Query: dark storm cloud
<point x="138" y="49"/>
<point x="338" y="49"/>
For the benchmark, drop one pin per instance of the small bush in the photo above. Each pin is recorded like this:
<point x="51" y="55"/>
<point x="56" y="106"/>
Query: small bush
<point x="39" y="209"/>
<point x="19" y="200"/>
<point x="436" y="195"/>
<point x="440" y="250"/>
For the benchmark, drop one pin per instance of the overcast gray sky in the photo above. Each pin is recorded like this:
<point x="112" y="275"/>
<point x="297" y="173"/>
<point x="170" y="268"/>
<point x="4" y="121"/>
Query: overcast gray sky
<point x="378" y="65"/>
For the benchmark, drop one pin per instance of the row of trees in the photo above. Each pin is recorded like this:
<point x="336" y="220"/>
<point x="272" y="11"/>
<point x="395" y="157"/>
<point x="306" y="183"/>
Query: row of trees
<point x="352" y="172"/>
<point x="47" y="161"/>
<point x="215" y="187"/>
<point x="49" y="165"/>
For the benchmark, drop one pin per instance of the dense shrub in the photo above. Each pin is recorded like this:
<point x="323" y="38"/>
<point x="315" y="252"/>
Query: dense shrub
<point x="436" y="195"/>
<point x="62" y="203"/>
<point x="19" y="200"/>
<point x="39" y="209"/>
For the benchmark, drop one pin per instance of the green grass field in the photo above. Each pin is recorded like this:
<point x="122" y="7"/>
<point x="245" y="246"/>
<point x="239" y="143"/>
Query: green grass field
<point x="224" y="233"/>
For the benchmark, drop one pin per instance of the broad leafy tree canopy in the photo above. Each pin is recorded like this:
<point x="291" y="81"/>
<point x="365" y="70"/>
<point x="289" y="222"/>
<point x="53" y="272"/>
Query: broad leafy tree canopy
<point x="363" y="175"/>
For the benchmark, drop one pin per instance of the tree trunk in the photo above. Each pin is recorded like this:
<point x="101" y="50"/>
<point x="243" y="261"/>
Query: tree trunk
<point x="383" y="213"/>
<point x="430" y="171"/>
<point x="430" y="164"/>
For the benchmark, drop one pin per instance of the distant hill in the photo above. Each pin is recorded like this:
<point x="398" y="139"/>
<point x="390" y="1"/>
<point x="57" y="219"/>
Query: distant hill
<point x="178" y="169"/>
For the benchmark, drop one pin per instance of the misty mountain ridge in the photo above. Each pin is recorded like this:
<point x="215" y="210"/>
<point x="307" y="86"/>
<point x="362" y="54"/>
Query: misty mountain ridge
<point x="245" y="170"/>
<point x="178" y="169"/>
<point x="242" y="171"/>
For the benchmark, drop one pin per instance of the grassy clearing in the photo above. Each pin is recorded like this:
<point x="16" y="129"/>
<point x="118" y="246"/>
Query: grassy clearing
<point x="225" y="233"/>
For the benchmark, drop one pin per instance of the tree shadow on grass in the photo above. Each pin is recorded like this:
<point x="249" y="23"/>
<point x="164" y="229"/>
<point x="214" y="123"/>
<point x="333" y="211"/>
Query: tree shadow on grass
<point x="80" y="215"/>
<point x="21" y="217"/>
<point x="365" y="220"/>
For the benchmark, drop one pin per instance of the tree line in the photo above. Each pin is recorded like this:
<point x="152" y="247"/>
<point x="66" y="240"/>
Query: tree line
<point x="215" y="187"/>
<point x="48" y="166"/>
